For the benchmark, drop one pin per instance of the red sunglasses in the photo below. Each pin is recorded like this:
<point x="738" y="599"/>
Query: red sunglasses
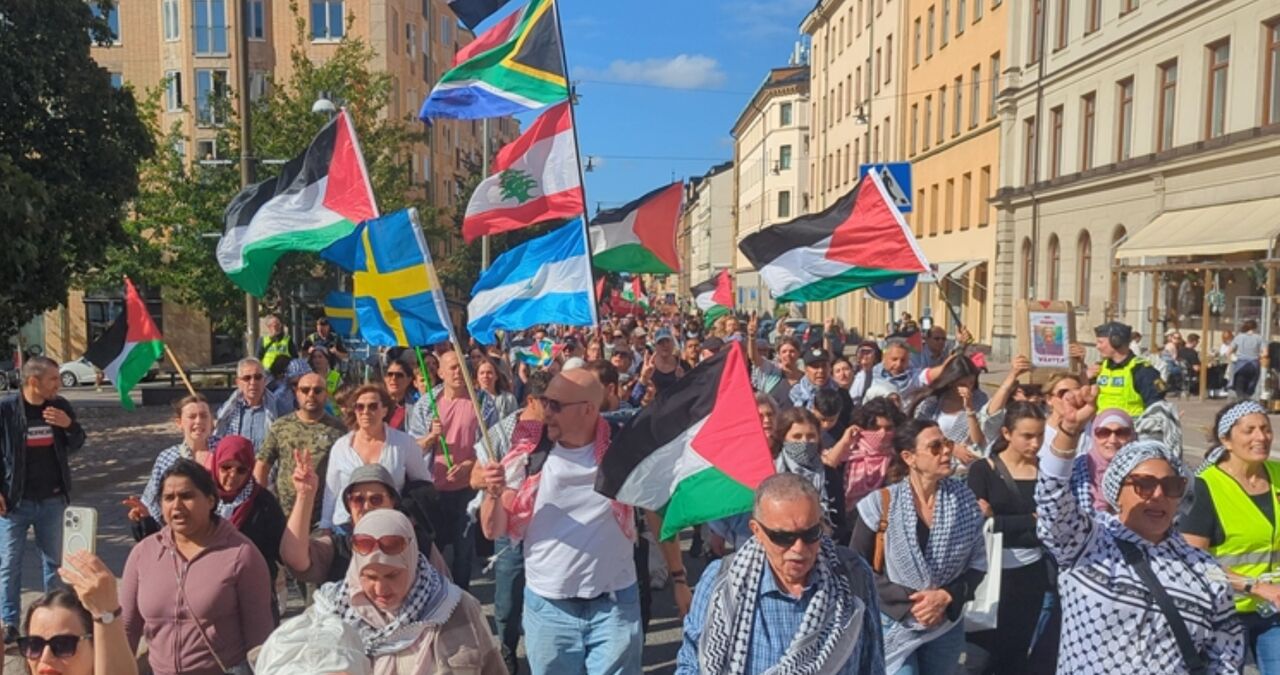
<point x="391" y="544"/>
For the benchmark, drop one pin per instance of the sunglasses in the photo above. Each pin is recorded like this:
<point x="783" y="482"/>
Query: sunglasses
<point x="397" y="374"/>
<point x="238" y="469"/>
<point x="557" y="407"/>
<point x="374" y="501"/>
<point x="63" y="646"/>
<point x="310" y="390"/>
<point x="937" y="448"/>
<point x="367" y="407"/>
<point x="1105" y="432"/>
<point x="1171" y="486"/>
<point x="252" y="378"/>
<point x="787" y="539"/>
<point x="391" y="544"/>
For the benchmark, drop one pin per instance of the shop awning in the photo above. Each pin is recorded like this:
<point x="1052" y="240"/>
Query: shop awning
<point x="949" y="270"/>
<point x="1207" y="230"/>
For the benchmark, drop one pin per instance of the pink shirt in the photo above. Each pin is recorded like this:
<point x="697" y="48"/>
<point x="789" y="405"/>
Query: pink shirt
<point x="461" y="431"/>
<point x="226" y="586"/>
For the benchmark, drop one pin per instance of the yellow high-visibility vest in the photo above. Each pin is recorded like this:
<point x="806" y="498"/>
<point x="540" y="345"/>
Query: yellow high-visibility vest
<point x="1251" y="543"/>
<point x="1116" y="388"/>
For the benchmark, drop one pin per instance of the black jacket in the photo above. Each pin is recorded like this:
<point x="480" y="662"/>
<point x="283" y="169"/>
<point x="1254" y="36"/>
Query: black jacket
<point x="13" y="446"/>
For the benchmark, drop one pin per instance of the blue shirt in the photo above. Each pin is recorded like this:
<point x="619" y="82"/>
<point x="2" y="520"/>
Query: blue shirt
<point x="776" y="623"/>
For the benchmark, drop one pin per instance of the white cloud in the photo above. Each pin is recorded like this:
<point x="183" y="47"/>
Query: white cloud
<point x="683" y="71"/>
<point x="766" y="18"/>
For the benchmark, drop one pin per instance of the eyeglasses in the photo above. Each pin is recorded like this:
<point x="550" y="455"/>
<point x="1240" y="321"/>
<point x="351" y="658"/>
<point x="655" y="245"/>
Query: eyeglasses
<point x="367" y="407"/>
<point x="397" y="374"/>
<point x="310" y="390"/>
<point x="373" y="501"/>
<point x="391" y="544"/>
<point x="787" y="539"/>
<point x="63" y="646"/>
<point x="1107" y="432"/>
<point x="1170" y="486"/>
<point x="938" y="447"/>
<point x="252" y="378"/>
<point x="1059" y="393"/>
<point x="238" y="469"/>
<point x="557" y="407"/>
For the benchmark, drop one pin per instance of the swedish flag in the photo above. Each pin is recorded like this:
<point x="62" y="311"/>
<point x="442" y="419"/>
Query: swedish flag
<point x="396" y="297"/>
<point x="339" y="309"/>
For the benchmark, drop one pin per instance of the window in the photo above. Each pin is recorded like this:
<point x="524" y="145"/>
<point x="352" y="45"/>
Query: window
<point x="1124" y="119"/>
<point x="957" y="107"/>
<point x="210" y="21"/>
<point x="173" y="90"/>
<point x="877" y="70"/>
<point x="206" y="150"/>
<point x="848" y="94"/>
<point x="867" y="69"/>
<point x="839" y="99"/>
<point x="1055" y="142"/>
<point x="446" y="32"/>
<point x="977" y="10"/>
<point x="257" y="84"/>
<point x="1055" y="266"/>
<point x="839" y="168"/>
<point x="857" y="82"/>
<point x="851" y="163"/>
<point x="840" y="42"/>
<point x="117" y="80"/>
<point x="1216" y="117"/>
<point x="1060" y="21"/>
<point x="1035" y="30"/>
<point x="928" y="120"/>
<point x="1093" y="18"/>
<point x="975" y="94"/>
<point x="327" y="19"/>
<point x="1084" y="268"/>
<point x="1128" y="6"/>
<point x="949" y="214"/>
<point x="888" y="59"/>
<point x="966" y="200"/>
<point x="255" y="20"/>
<point x="784" y="158"/>
<point x="915" y="125"/>
<point x="211" y="86"/>
<point x="961" y="10"/>
<point x="112" y="16"/>
<point x="1165" y="106"/>
<point x="946" y="23"/>
<point x="928" y="38"/>
<point x="169" y="12"/>
<point x="995" y="85"/>
<point x="784" y="203"/>
<point x="933" y="210"/>
<point x="853" y="21"/>
<point x="784" y="114"/>
<point x="1088" y="126"/>
<point x="394" y="26"/>
<point x="1271" y="77"/>
<point x="1029" y="150"/>
<point x="984" y="194"/>
<point x="942" y="114"/>
<point x="917" y="211"/>
<point x="1028" y="281"/>
<point x="915" y="45"/>
<point x="410" y="38"/>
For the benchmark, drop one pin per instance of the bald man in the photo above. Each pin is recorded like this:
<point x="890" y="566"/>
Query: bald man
<point x="582" y="606"/>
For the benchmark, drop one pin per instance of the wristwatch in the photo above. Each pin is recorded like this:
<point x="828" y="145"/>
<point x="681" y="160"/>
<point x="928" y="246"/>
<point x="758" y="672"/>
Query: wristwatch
<point x="106" y="619"/>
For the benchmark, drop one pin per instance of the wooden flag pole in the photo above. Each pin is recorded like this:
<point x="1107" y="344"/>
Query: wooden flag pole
<point x="181" y="373"/>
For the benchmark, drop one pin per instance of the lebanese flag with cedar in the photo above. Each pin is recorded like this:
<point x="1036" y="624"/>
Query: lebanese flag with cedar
<point x="695" y="454"/>
<point x="130" y="346"/>
<point x="859" y="241"/>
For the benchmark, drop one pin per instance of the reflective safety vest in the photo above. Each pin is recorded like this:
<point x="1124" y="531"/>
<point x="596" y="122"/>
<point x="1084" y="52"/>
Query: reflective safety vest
<point x="332" y="381"/>
<point x="1115" y="387"/>
<point x="273" y="349"/>
<point x="1251" y="544"/>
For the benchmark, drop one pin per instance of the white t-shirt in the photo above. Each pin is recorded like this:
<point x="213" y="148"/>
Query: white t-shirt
<point x="573" y="547"/>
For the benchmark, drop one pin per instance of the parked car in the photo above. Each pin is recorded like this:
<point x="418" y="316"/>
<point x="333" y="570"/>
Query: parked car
<point x="80" y="371"/>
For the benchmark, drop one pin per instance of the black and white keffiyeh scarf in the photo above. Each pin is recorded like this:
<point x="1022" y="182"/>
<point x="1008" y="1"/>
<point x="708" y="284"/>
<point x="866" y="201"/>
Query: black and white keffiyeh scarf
<point x="804" y="459"/>
<point x="829" y="630"/>
<point x="431" y="600"/>
<point x="957" y="528"/>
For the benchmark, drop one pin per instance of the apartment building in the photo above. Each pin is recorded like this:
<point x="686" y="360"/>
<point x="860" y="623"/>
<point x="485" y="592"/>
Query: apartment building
<point x="1141" y="142"/>
<point x="709" y="201"/>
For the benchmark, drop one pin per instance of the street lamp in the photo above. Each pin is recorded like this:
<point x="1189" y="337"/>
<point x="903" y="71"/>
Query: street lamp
<point x="323" y="106"/>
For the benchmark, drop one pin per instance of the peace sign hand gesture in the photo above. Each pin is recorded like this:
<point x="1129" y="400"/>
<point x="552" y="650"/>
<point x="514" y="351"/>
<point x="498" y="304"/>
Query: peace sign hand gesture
<point x="305" y="481"/>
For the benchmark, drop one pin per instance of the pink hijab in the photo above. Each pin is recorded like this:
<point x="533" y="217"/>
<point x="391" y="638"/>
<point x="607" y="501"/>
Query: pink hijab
<point x="1097" y="463"/>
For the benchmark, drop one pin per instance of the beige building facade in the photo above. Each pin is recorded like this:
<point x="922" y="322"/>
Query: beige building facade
<point x="710" y="206"/>
<point x="1142" y="163"/>
<point x="770" y="170"/>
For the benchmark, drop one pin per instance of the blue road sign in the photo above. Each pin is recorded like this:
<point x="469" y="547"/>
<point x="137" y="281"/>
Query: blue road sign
<point x="892" y="291"/>
<point x="896" y="177"/>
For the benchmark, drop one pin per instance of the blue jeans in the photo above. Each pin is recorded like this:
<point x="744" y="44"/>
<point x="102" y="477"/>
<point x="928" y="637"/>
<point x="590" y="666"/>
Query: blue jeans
<point x="45" y="516"/>
<point x="939" y="656"/>
<point x="576" y="637"/>
<point x="1263" y="636"/>
<point x="508" y="591"/>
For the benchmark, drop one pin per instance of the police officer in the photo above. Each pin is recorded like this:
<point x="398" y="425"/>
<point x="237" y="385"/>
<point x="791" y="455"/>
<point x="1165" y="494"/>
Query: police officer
<point x="276" y="344"/>
<point x="1125" y="380"/>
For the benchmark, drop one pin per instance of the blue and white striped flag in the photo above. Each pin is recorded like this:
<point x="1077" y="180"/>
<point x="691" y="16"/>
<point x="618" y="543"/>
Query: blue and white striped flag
<point x="544" y="280"/>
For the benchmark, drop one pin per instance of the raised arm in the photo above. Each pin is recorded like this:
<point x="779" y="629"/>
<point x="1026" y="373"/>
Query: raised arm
<point x="295" y="549"/>
<point x="1061" y="524"/>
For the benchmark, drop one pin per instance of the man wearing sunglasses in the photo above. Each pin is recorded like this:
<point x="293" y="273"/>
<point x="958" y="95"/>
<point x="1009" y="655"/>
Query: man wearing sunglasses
<point x="754" y="610"/>
<point x="251" y="409"/>
<point x="310" y="428"/>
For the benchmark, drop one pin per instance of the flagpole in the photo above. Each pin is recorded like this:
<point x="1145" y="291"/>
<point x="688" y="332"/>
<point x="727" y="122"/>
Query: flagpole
<point x="484" y="173"/>
<point x="577" y="146"/>
<point x="178" y="367"/>
<point x="431" y="400"/>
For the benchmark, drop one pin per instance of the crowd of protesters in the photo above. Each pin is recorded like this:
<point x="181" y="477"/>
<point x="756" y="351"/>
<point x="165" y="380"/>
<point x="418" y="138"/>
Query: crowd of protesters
<point x="371" y="493"/>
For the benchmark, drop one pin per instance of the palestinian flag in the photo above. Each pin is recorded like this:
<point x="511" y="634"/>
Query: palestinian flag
<point x="695" y="454"/>
<point x="472" y="12"/>
<point x="517" y="66"/>
<point x="126" y="351"/>
<point x="640" y="236"/>
<point x="714" y="297"/>
<point x="859" y="241"/>
<point x="535" y="178"/>
<point x="318" y="199"/>
<point x="634" y="294"/>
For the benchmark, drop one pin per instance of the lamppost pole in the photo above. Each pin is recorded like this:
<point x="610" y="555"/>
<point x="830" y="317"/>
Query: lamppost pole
<point x="246" y="159"/>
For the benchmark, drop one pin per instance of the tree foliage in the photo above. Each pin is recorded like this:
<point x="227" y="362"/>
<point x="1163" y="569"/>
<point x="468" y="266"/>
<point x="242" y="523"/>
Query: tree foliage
<point x="70" y="145"/>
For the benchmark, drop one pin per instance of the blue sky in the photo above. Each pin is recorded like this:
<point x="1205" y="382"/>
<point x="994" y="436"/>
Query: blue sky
<point x="666" y="79"/>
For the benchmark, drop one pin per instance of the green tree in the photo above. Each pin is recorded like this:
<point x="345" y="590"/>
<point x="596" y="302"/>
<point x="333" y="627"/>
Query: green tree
<point x="70" y="145"/>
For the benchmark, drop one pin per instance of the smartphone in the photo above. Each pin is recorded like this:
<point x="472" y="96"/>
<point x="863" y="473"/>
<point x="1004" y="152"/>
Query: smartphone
<point x="79" y="530"/>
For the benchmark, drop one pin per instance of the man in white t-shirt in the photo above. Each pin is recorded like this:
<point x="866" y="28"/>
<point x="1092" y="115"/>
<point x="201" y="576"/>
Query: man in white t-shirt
<point x="581" y="601"/>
